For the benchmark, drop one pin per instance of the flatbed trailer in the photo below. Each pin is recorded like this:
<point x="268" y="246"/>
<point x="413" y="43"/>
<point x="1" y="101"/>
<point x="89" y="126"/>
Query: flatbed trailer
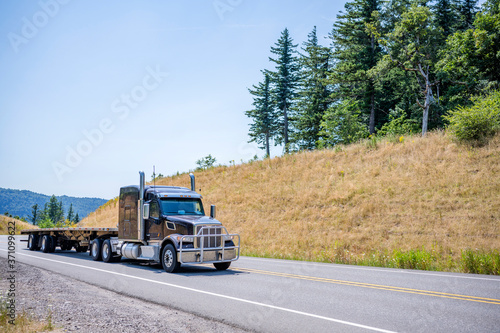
<point x="66" y="238"/>
<point x="162" y="224"/>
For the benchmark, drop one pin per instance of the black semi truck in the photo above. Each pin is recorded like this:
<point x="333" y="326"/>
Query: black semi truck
<point x="161" y="224"/>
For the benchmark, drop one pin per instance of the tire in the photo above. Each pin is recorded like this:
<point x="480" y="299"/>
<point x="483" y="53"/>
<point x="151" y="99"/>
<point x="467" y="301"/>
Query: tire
<point x="107" y="251"/>
<point x="46" y="243"/>
<point x="33" y="242"/>
<point x="169" y="259"/>
<point x="222" y="266"/>
<point x="53" y="243"/>
<point x="96" y="249"/>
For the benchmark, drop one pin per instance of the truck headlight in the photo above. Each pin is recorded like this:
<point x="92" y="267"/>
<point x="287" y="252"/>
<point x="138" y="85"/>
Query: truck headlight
<point x="228" y="237"/>
<point x="187" y="239"/>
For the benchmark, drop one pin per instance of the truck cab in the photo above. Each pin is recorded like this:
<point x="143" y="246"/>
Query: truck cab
<point x="168" y="225"/>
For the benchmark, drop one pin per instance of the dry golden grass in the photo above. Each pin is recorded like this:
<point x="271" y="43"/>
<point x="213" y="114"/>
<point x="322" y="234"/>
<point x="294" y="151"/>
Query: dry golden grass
<point x="426" y="193"/>
<point x="20" y="225"/>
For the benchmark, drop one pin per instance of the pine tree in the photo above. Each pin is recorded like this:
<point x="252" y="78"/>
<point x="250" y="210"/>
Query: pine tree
<point x="313" y="97"/>
<point x="71" y="214"/>
<point x="445" y="16"/>
<point x="467" y="10"/>
<point x="54" y="210"/>
<point x="35" y="215"/>
<point x="355" y="52"/>
<point x="264" y="126"/>
<point x="284" y="80"/>
<point x="77" y="218"/>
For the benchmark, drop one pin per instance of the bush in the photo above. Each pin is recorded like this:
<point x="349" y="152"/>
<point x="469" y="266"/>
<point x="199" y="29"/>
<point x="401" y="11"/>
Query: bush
<point x="399" y="124"/>
<point x="477" y="123"/>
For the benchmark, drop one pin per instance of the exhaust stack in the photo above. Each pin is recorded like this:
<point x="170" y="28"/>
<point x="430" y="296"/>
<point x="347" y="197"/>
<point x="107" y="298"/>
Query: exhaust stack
<point x="141" y="225"/>
<point x="193" y="187"/>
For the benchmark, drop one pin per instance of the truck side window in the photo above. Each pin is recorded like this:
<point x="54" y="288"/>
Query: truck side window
<point x="154" y="210"/>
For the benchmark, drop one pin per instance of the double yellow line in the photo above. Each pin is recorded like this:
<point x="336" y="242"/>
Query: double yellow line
<point x="374" y="286"/>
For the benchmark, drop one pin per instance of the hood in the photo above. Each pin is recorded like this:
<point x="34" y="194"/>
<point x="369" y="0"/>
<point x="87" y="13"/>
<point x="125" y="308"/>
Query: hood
<point x="192" y="219"/>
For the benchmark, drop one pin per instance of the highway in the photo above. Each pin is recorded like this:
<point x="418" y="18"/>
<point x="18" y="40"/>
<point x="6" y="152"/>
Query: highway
<point x="268" y="295"/>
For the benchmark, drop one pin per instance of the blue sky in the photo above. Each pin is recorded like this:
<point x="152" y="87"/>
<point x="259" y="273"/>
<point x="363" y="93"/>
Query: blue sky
<point x="91" y="92"/>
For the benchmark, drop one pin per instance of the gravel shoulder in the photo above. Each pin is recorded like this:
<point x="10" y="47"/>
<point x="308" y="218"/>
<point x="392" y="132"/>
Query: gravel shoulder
<point x="80" y="307"/>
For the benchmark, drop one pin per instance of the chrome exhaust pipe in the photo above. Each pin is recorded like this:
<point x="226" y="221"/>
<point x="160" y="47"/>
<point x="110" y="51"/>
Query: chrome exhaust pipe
<point x="193" y="187"/>
<point x="141" y="225"/>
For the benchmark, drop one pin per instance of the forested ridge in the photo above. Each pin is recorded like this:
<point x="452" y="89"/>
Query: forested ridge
<point x="390" y="68"/>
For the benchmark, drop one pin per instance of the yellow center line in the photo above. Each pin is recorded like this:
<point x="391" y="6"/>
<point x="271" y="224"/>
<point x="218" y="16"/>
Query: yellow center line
<point x="375" y="286"/>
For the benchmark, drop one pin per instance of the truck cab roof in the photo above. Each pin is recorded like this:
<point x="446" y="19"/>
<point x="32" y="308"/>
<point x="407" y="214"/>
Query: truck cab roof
<point x="169" y="192"/>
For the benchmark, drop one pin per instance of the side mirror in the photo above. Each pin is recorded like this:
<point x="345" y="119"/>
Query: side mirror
<point x="145" y="212"/>
<point x="212" y="211"/>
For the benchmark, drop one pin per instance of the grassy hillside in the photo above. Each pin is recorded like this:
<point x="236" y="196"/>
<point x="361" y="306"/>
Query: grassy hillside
<point x="20" y="225"/>
<point x="411" y="202"/>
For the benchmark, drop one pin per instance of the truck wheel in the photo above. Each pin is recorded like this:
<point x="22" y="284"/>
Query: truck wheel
<point x="169" y="259"/>
<point x="222" y="266"/>
<point x="33" y="242"/>
<point x="45" y="243"/>
<point x="53" y="243"/>
<point x="96" y="249"/>
<point x="107" y="251"/>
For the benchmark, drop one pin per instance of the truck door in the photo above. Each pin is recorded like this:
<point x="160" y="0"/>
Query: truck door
<point x="155" y="230"/>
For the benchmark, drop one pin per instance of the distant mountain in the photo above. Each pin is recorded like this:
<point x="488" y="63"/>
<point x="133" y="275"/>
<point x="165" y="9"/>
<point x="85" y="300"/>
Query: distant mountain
<point x="19" y="202"/>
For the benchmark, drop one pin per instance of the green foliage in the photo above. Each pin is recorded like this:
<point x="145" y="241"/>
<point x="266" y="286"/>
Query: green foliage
<point x="476" y="123"/>
<point x="399" y="125"/>
<point x="265" y="125"/>
<point x="284" y="80"/>
<point x="313" y="97"/>
<point x="343" y="124"/>
<point x="206" y="162"/>
<point x="46" y="222"/>
<point x="480" y="262"/>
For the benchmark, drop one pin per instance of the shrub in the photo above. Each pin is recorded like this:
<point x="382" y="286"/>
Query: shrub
<point x="478" y="122"/>
<point x="399" y="124"/>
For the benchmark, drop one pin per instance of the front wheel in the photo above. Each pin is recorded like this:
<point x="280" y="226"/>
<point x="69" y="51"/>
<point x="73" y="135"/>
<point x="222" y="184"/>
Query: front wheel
<point x="169" y="259"/>
<point x="222" y="266"/>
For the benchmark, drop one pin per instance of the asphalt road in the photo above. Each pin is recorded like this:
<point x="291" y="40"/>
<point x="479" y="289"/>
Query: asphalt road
<point x="268" y="295"/>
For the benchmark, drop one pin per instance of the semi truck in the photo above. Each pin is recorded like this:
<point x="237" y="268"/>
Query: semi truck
<point x="161" y="224"/>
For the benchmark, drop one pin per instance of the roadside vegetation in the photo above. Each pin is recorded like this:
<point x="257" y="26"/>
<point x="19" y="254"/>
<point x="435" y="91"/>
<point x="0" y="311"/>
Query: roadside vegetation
<point x="23" y="322"/>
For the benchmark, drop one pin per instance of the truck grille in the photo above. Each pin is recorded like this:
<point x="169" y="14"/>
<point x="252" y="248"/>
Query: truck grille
<point x="212" y="237"/>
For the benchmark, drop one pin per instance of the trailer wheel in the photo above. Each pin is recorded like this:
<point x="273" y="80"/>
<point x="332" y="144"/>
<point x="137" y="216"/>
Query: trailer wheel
<point x="107" y="251"/>
<point x="222" y="266"/>
<point x="53" y="243"/>
<point x="169" y="259"/>
<point x="96" y="249"/>
<point x="45" y="244"/>
<point x="33" y="242"/>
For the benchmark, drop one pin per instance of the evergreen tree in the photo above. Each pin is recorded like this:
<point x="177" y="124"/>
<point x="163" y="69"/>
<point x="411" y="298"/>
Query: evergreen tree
<point x="35" y="215"/>
<point x="71" y="214"/>
<point x="285" y="80"/>
<point x="355" y="52"/>
<point x="77" y="218"/>
<point x="467" y="10"/>
<point x="54" y="210"/>
<point x="313" y="97"/>
<point x="264" y="126"/>
<point x="445" y="18"/>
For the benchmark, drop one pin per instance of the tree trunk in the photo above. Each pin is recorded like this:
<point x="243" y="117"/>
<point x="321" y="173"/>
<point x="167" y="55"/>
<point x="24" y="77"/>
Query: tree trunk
<point x="372" y="111"/>
<point x="268" y="154"/>
<point x="285" y="130"/>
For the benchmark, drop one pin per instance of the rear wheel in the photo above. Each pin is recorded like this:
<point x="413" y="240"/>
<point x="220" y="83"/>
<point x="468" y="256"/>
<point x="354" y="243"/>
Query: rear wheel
<point x="96" y="249"/>
<point x="33" y="242"/>
<point x="53" y="243"/>
<point x="169" y="259"/>
<point x="222" y="266"/>
<point x="107" y="252"/>
<point x="46" y="243"/>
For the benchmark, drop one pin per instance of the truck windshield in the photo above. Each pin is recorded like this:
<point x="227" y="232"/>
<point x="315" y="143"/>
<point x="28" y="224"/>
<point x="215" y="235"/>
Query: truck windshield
<point x="180" y="206"/>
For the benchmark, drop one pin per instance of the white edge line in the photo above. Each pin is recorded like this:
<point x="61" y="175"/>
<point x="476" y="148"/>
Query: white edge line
<point x="214" y="294"/>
